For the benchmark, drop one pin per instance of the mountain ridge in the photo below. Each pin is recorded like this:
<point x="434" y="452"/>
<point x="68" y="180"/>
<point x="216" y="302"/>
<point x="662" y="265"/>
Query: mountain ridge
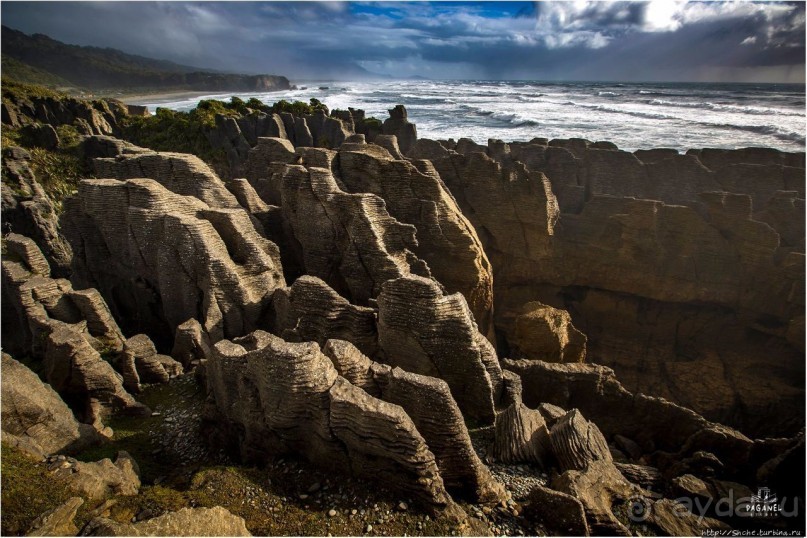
<point x="98" y="68"/>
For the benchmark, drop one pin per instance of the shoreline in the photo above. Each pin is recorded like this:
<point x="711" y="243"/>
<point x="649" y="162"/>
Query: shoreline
<point x="140" y="98"/>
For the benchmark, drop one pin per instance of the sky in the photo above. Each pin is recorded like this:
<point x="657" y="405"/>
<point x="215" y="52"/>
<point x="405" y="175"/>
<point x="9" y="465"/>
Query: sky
<point x="657" y="40"/>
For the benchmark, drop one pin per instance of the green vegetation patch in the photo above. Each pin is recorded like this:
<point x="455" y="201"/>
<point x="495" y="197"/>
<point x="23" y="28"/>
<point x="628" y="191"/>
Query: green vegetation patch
<point x="29" y="489"/>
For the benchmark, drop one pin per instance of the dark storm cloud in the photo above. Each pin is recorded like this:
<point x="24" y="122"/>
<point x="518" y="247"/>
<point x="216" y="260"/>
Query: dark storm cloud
<point x="656" y="40"/>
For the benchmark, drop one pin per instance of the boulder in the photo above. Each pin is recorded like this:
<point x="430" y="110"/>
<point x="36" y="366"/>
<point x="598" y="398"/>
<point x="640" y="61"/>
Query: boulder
<point x="547" y="334"/>
<point x="576" y="442"/>
<point x="99" y="480"/>
<point x="58" y="521"/>
<point x="35" y="418"/>
<point x="559" y="513"/>
<point x="216" y="521"/>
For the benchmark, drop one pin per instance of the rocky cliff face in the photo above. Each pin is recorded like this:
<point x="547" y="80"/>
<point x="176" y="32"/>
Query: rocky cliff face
<point x="428" y="314"/>
<point x="674" y="268"/>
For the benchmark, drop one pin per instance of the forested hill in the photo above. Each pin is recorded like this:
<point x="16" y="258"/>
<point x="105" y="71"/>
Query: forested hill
<point x="40" y="59"/>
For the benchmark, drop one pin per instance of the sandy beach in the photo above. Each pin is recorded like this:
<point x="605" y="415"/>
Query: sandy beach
<point x="140" y="98"/>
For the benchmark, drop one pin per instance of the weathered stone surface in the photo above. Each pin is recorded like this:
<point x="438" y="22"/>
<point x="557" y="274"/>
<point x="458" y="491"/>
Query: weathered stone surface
<point x="598" y="487"/>
<point x="216" y="521"/>
<point x="59" y="521"/>
<point x="101" y="479"/>
<point x="654" y="423"/>
<point x="382" y="442"/>
<point x="144" y="364"/>
<point x="397" y="124"/>
<point x="429" y="404"/>
<point x="286" y="397"/>
<point x="165" y="258"/>
<point x="35" y="418"/>
<point x="29" y="211"/>
<point x="446" y="241"/>
<point x="65" y="331"/>
<point x="545" y="333"/>
<point x="191" y="343"/>
<point x="309" y="310"/>
<point x="348" y="240"/>
<point x="657" y="236"/>
<point x="558" y="512"/>
<point x="180" y="173"/>
<point x="576" y="442"/>
<point x="642" y="475"/>
<point x="424" y="331"/>
<point x="521" y="436"/>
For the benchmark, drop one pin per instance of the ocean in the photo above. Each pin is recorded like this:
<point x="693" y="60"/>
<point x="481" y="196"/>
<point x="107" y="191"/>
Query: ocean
<point x="633" y="116"/>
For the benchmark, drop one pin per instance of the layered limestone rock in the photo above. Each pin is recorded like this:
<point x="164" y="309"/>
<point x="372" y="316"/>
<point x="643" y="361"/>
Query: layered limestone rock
<point x="521" y="435"/>
<point x="309" y="310"/>
<point x="416" y="195"/>
<point x="424" y="331"/>
<point x="397" y="124"/>
<point x="29" y="211"/>
<point x="66" y="331"/>
<point x="140" y="362"/>
<point x="180" y="173"/>
<point x="348" y="240"/>
<point x="272" y="397"/>
<point x="703" y="234"/>
<point x="429" y="404"/>
<point x="159" y="258"/>
<point x="35" y="418"/>
<point x="669" y="432"/>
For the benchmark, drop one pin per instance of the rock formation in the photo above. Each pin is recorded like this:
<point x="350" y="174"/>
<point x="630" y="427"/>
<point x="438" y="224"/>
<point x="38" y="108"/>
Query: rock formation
<point x="446" y="241"/>
<point x="65" y="331"/>
<point x="29" y="211"/>
<point x="424" y="331"/>
<point x="672" y="258"/>
<point x="286" y="397"/>
<point x="35" y="418"/>
<point x="348" y="240"/>
<point x="167" y="258"/>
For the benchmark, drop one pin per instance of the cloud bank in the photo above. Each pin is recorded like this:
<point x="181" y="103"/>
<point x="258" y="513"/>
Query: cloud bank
<point x="657" y="40"/>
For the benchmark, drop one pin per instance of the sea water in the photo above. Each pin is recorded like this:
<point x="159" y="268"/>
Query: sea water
<point x="633" y="116"/>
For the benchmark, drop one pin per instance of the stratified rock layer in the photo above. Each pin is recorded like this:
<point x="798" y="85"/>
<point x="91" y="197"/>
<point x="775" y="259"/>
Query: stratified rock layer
<point x="160" y="258"/>
<point x="424" y="331"/>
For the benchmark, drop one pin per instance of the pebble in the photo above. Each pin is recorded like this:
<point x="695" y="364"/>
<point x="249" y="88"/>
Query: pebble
<point x="353" y="512"/>
<point x="314" y="487"/>
<point x="368" y="528"/>
<point x="303" y="496"/>
<point x="331" y="512"/>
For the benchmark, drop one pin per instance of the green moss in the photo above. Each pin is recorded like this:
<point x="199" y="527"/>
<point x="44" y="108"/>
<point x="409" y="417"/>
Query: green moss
<point x="28" y="490"/>
<point x="17" y="91"/>
<point x="59" y="173"/>
<point x="372" y="123"/>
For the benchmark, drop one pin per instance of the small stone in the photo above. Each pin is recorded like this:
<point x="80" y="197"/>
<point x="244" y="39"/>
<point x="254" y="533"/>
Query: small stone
<point x="353" y="512"/>
<point x="368" y="528"/>
<point x="156" y="414"/>
<point x="314" y="487"/>
<point x="303" y="496"/>
<point x="61" y="458"/>
<point x="331" y="512"/>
